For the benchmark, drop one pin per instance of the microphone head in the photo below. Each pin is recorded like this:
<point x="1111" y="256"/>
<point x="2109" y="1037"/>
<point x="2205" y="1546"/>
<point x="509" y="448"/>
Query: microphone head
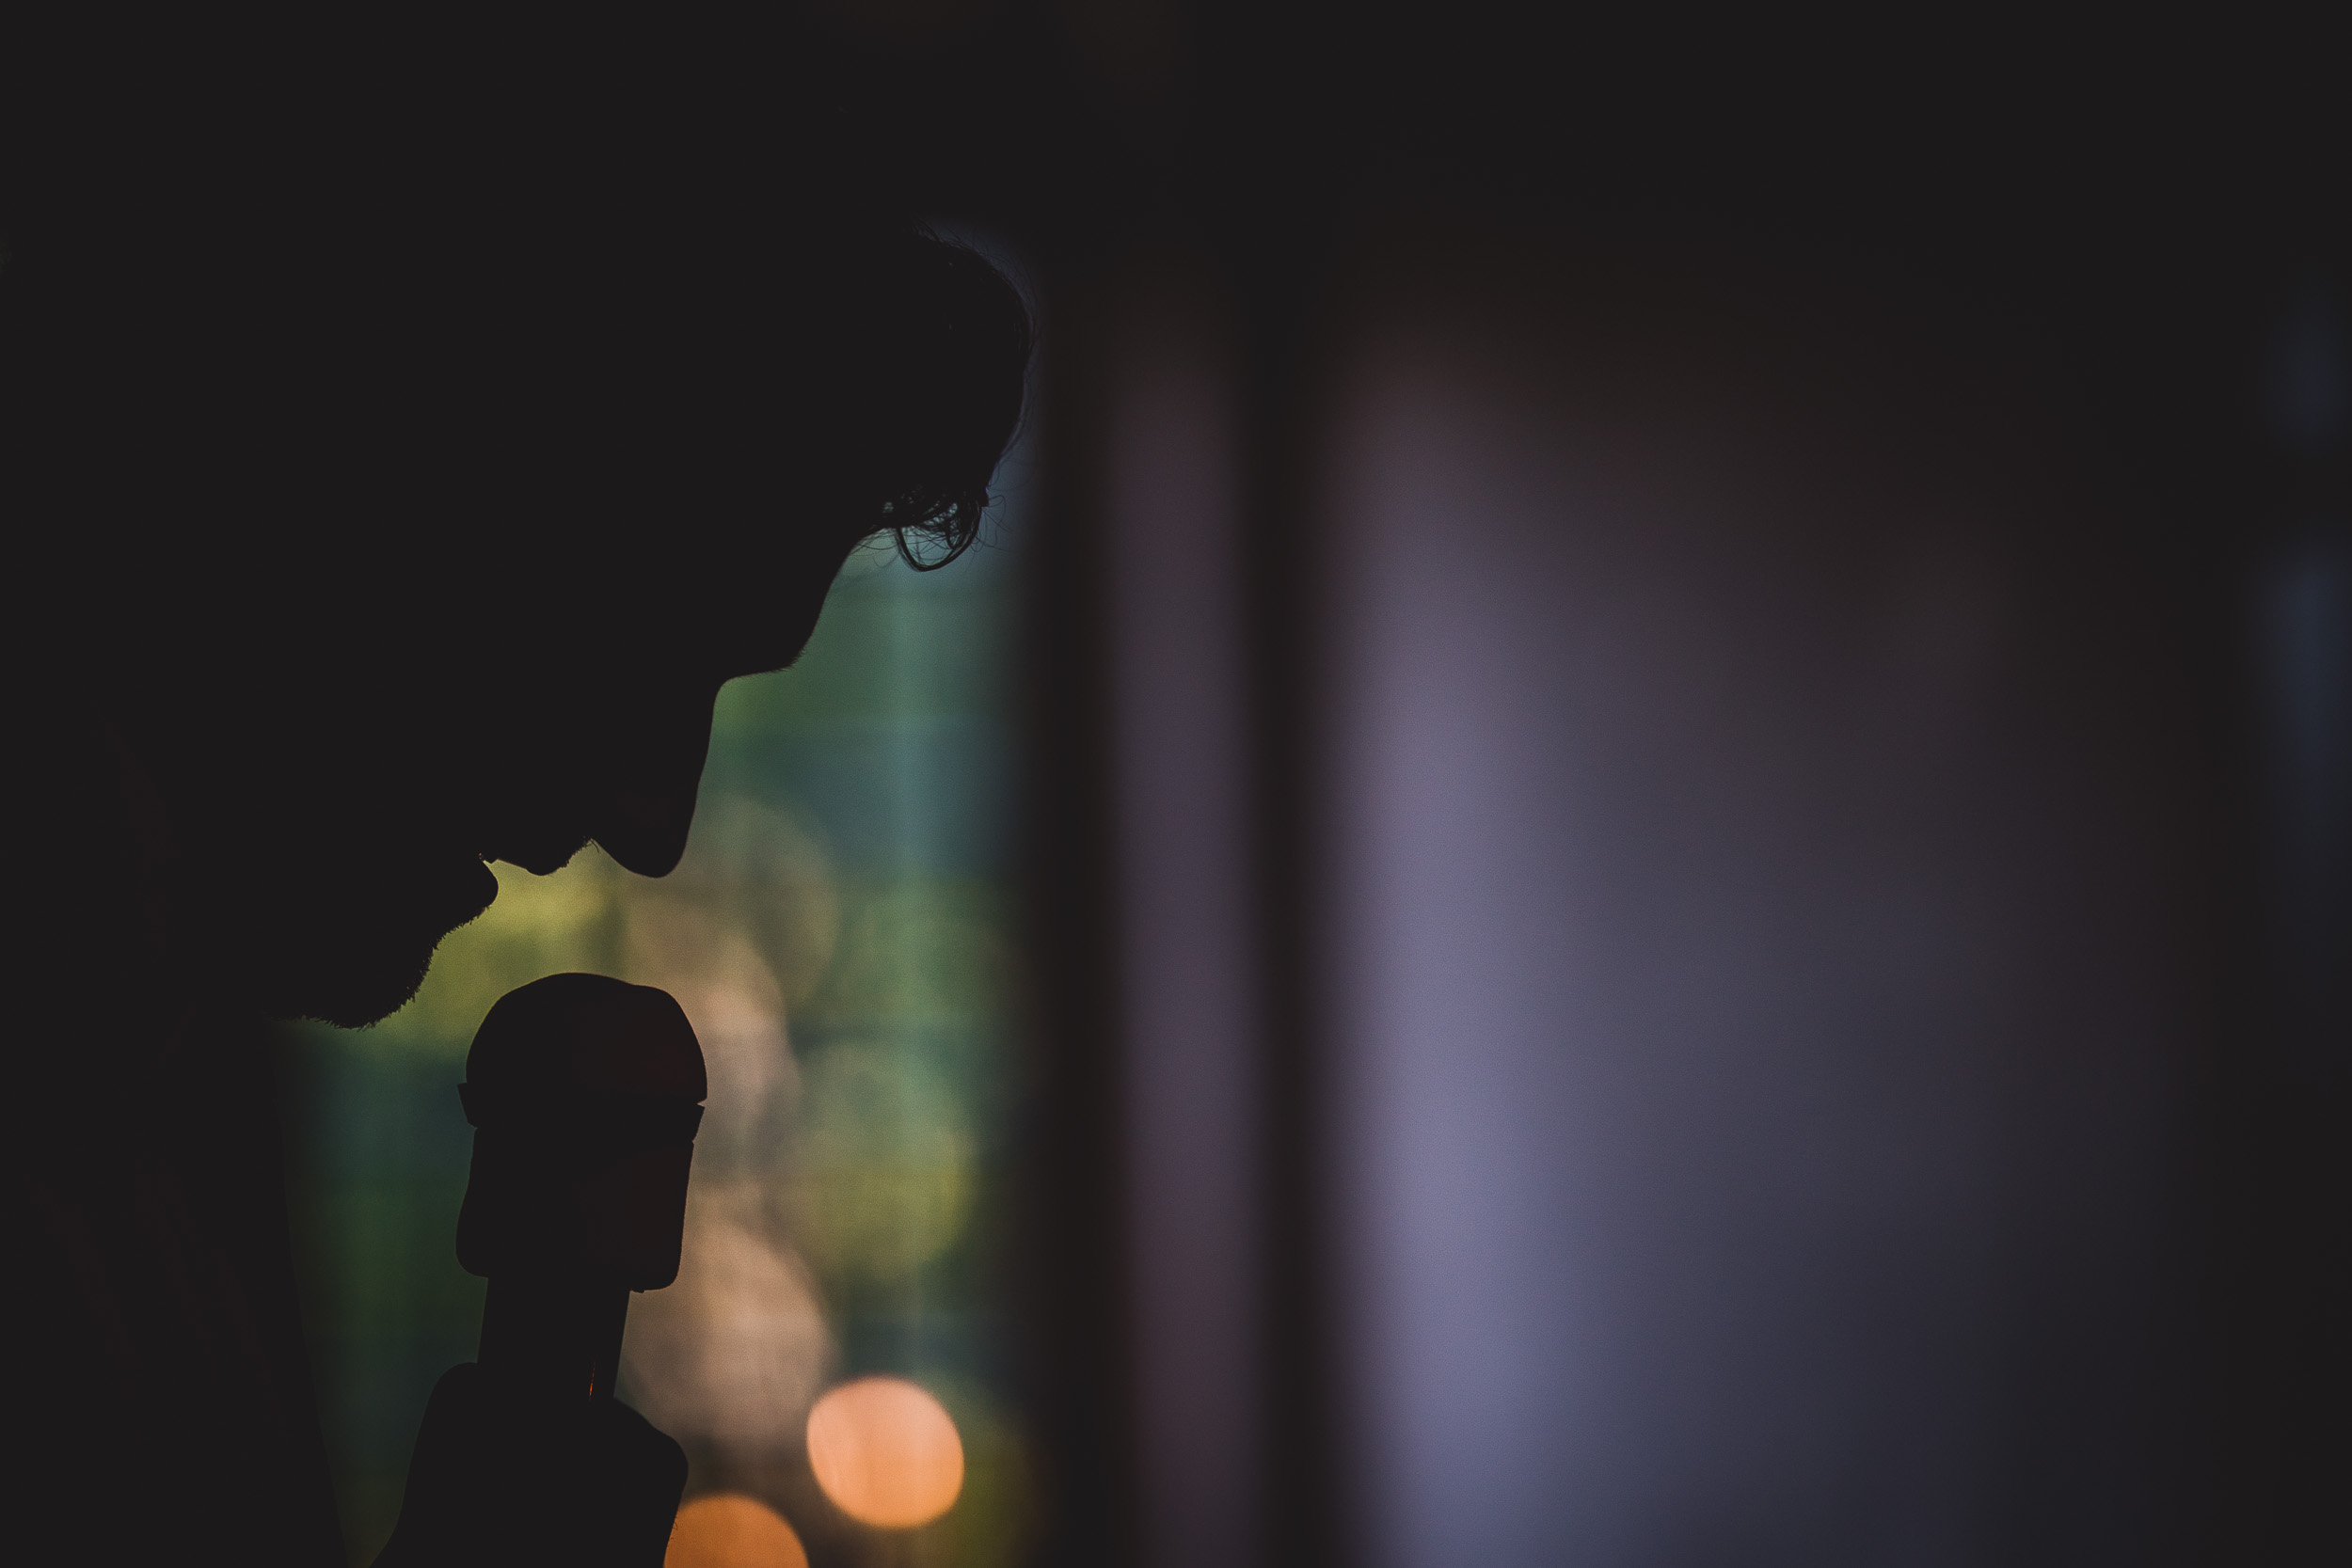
<point x="585" y="1093"/>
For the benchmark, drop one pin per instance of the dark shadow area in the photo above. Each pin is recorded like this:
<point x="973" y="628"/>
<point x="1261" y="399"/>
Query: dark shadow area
<point x="371" y="478"/>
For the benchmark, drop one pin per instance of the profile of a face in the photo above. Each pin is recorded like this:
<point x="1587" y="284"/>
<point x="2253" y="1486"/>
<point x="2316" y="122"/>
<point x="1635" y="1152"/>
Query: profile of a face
<point x="579" y="722"/>
<point x="400" y="550"/>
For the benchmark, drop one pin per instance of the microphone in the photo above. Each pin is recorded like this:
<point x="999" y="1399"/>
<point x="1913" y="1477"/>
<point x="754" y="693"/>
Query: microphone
<point x="584" y="1093"/>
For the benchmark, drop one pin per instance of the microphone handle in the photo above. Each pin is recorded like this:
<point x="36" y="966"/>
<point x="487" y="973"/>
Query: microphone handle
<point x="554" y="1336"/>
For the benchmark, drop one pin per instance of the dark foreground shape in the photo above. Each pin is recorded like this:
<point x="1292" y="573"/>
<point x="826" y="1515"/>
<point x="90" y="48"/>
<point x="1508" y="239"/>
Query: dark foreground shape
<point x="502" y="1475"/>
<point x="585" y="1095"/>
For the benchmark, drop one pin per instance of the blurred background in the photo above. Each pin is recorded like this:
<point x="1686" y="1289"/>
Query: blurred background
<point x="1632" y="847"/>
<point x="841" y="936"/>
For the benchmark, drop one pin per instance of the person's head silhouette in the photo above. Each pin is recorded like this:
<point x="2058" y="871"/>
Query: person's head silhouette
<point x="391" y="487"/>
<point x="420" y="524"/>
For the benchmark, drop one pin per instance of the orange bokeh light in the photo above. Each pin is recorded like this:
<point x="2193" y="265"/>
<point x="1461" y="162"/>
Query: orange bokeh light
<point x="886" y="1452"/>
<point x="727" y="1531"/>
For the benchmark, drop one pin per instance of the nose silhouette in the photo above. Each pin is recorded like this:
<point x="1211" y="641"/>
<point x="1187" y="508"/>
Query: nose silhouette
<point x="655" y="771"/>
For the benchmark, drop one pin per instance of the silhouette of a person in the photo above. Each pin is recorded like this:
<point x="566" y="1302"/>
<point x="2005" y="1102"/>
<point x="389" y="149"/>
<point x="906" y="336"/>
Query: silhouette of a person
<point x="361" y="536"/>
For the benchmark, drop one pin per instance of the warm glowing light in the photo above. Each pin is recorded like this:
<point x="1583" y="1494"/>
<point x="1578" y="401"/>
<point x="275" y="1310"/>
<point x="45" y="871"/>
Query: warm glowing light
<point x="726" y="1530"/>
<point x="886" y="1452"/>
